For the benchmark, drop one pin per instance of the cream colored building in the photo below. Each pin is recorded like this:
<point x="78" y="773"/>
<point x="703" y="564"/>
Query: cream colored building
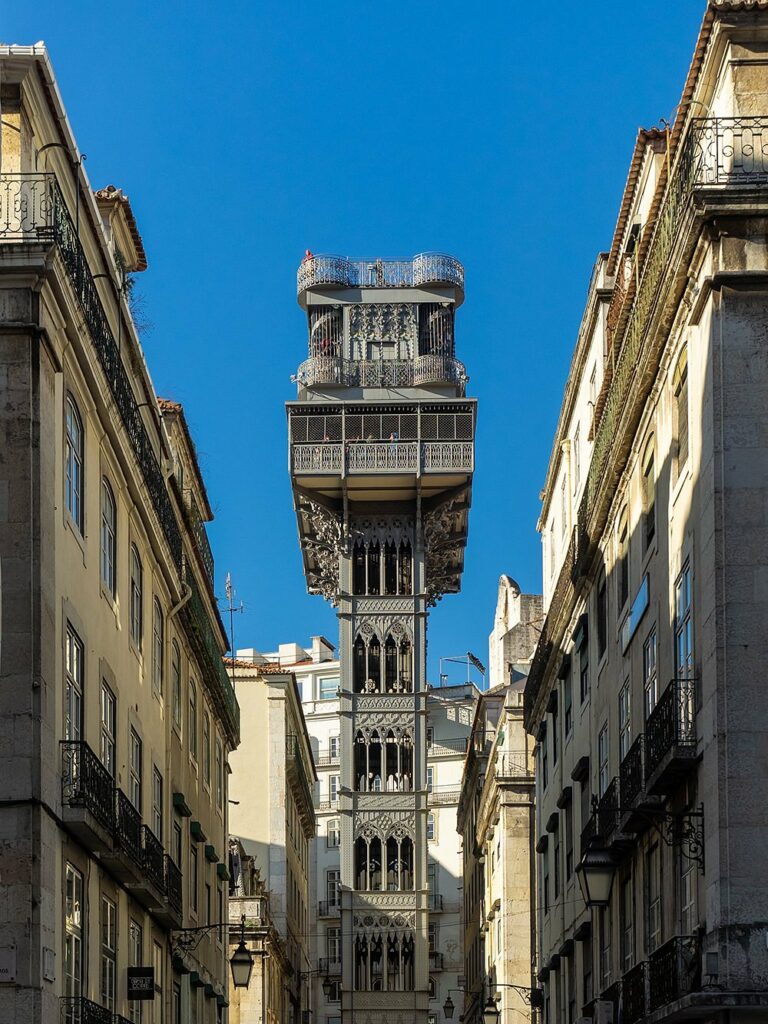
<point x="117" y="717"/>
<point x="495" y="821"/>
<point x="645" y="692"/>
<point x="273" y="820"/>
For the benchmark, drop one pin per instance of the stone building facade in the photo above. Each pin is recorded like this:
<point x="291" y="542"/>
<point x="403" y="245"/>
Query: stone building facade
<point x="644" y="693"/>
<point x="381" y="460"/>
<point x="496" y="823"/>
<point x="116" y="715"/>
<point x="273" y="824"/>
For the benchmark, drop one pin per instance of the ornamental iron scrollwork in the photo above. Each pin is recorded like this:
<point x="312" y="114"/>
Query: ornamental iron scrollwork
<point x="325" y="545"/>
<point x="443" y="550"/>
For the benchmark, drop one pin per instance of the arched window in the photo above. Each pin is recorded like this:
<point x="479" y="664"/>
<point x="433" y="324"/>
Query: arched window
<point x="108" y="537"/>
<point x="390" y="568"/>
<point x="74" y="458"/>
<point x="358" y="569"/>
<point x="390" y="666"/>
<point x="176" y="684"/>
<point x="374" y="568"/>
<point x="359" y="665"/>
<point x="137" y="598"/>
<point x="158" y="645"/>
<point x="405" y="584"/>
<point x="406" y="672"/>
<point x="432" y="988"/>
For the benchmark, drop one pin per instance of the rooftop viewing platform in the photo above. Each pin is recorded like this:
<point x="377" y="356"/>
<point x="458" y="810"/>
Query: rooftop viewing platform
<point x="428" y="268"/>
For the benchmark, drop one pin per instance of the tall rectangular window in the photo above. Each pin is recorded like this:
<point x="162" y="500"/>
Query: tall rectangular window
<point x="206" y="749"/>
<point x="602" y="617"/>
<point x="328" y="687"/>
<point x="577" y="459"/>
<point x="74" y="925"/>
<point x="192" y="727"/>
<point x="625" y="725"/>
<point x="158" y="962"/>
<point x="135" y="769"/>
<point x="194" y="878"/>
<point x="333" y="834"/>
<point x="627" y="923"/>
<point x="176" y="685"/>
<point x="108" y="953"/>
<point x="568" y="840"/>
<point x="333" y="944"/>
<point x="622" y="563"/>
<point x="108" y="716"/>
<point x="74" y="461"/>
<point x="219" y="769"/>
<point x="108" y="537"/>
<point x="135" y="959"/>
<point x="137" y="598"/>
<point x="584" y="673"/>
<point x="157" y="804"/>
<point x="688" y="921"/>
<point x="332" y="879"/>
<point x="74" y="657"/>
<point x="563" y="508"/>
<point x="654" y="894"/>
<point x="333" y="788"/>
<point x="158" y="647"/>
<point x="554" y="737"/>
<point x="567" y="705"/>
<point x="605" y="948"/>
<point x="177" y="844"/>
<point x="680" y="415"/>
<point x="545" y="880"/>
<point x="556" y="863"/>
<point x="602" y="757"/>
<point x="649" y="498"/>
<point x="650" y="674"/>
<point x="683" y="625"/>
<point x="430" y="778"/>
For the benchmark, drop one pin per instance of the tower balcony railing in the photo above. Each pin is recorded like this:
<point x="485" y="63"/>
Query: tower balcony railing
<point x="383" y="457"/>
<point x="428" y="268"/>
<point x="333" y="371"/>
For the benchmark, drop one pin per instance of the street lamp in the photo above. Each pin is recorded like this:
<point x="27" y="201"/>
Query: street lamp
<point x="241" y="962"/>
<point x="448" y="1008"/>
<point x="327" y="986"/>
<point x="491" y="1012"/>
<point x="595" y="874"/>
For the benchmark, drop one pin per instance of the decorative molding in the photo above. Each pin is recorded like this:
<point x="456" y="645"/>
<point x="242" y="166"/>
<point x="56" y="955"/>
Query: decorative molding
<point x="384" y="529"/>
<point x="381" y="802"/>
<point x="401" y="627"/>
<point x="385" y="824"/>
<point x="383" y="721"/>
<point x="384" y="703"/>
<point x="325" y="545"/>
<point x="385" y="321"/>
<point x="374" y="902"/>
<point x="384" y="606"/>
<point x="443" y="550"/>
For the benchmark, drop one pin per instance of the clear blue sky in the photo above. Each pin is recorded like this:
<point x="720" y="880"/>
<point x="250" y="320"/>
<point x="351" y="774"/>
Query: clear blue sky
<point x="246" y="132"/>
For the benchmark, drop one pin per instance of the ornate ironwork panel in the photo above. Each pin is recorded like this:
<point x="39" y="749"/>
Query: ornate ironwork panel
<point x="153" y="857"/>
<point x="79" y="1010"/>
<point x="729" y="150"/>
<point x="173" y="886"/>
<point x="633" y="993"/>
<point x="25" y="207"/>
<point x="674" y="970"/>
<point x="671" y="725"/>
<point x="631" y="778"/>
<point x="86" y="783"/>
<point x="128" y="828"/>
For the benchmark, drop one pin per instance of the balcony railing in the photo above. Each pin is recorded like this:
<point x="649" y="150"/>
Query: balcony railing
<point x="435" y="901"/>
<point x="25" y="207"/>
<point x="79" y="1010"/>
<point x="86" y="783"/>
<point x="327" y="909"/>
<point x="128" y="828"/>
<point x="426" y="268"/>
<point x="295" y="763"/>
<point x="435" y="960"/>
<point x="383" y="456"/>
<point x="173" y="887"/>
<point x="729" y="150"/>
<point x="199" y="532"/>
<point x="153" y="858"/>
<point x="443" y="795"/>
<point x="671" y="726"/>
<point x="326" y="757"/>
<point x="633" y="993"/>
<point x="329" y="965"/>
<point x="608" y="811"/>
<point x="631" y="777"/>
<point x="448" y="748"/>
<point x="333" y="371"/>
<point x="674" y="970"/>
<point x="514" y="766"/>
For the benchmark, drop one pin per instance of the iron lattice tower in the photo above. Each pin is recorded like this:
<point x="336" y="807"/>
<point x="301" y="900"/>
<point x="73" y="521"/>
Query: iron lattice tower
<point x="381" y="461"/>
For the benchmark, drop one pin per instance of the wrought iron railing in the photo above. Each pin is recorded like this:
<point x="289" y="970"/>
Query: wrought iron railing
<point x="79" y="1010"/>
<point x="729" y="150"/>
<point x="514" y="766"/>
<point x="447" y="748"/>
<point x="443" y="795"/>
<point x="381" y="373"/>
<point x="326" y="908"/>
<point x="200" y="631"/>
<point x="173" y="885"/>
<point x="671" y="724"/>
<point x="392" y="455"/>
<point x="295" y="762"/>
<point x="329" y="965"/>
<point x="674" y="970"/>
<point x="631" y="778"/>
<point x="608" y="811"/>
<point x="25" y="207"/>
<point x="383" y="456"/>
<point x="426" y="268"/>
<point x="435" y="901"/>
<point x="153" y="857"/>
<point x="633" y="993"/>
<point x="86" y="783"/>
<point x="589" y="834"/>
<point x="326" y="757"/>
<point x="199" y="532"/>
<point x="128" y="827"/>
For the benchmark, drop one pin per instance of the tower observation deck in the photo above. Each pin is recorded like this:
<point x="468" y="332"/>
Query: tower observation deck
<point x="381" y="453"/>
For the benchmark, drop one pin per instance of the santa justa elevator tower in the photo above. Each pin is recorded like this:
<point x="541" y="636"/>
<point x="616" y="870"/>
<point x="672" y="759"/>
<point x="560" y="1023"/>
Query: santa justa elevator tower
<point x="381" y="461"/>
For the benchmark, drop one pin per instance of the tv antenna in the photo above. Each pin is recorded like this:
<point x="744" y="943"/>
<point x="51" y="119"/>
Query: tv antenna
<point x="232" y="608"/>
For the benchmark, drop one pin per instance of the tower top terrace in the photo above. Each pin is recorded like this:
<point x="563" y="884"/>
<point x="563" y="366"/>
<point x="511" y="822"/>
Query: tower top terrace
<point x="427" y="270"/>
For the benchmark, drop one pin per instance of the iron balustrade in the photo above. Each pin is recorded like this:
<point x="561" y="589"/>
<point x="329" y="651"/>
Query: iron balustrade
<point x="173" y="886"/>
<point x="443" y="795"/>
<point x="671" y="725"/>
<point x="426" y="268"/>
<point x="514" y="766"/>
<point x="295" y="762"/>
<point x="326" y="908"/>
<point x="86" y="783"/>
<point x="324" y="758"/>
<point x="633" y="993"/>
<point x="384" y="456"/>
<point x="729" y="150"/>
<point x="329" y="965"/>
<point x="674" y="970"/>
<point x="392" y="455"/>
<point x="381" y="373"/>
<point x="199" y="532"/>
<point x="79" y="1010"/>
<point x="435" y="901"/>
<point x="153" y="858"/>
<point x="25" y="207"/>
<point x="128" y="827"/>
<point x="631" y="778"/>
<point x="447" y="748"/>
<point x="589" y="835"/>
<point x="607" y="811"/>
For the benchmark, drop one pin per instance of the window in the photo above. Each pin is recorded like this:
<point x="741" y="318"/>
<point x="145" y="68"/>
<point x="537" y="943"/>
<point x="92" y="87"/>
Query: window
<point x="563" y="508"/>
<point x="650" y="675"/>
<point x="688" y="922"/>
<point x="430" y="737"/>
<point x="653" y="882"/>
<point x="577" y="458"/>
<point x="570" y="974"/>
<point x="627" y="924"/>
<point x="137" y="598"/>
<point x="432" y="934"/>
<point x="157" y="804"/>
<point x="219" y="769"/>
<point x="177" y="844"/>
<point x="333" y="747"/>
<point x="586" y="969"/>
<point x="554" y="737"/>
<point x="545" y="880"/>
<point x="206" y="749"/>
<point x="332" y="879"/>
<point x="556" y="863"/>
<point x="649" y="498"/>
<point x="333" y="944"/>
<point x="158" y="630"/>
<point x="176" y="685"/>
<point x="333" y="834"/>
<point x="108" y="537"/>
<point x="158" y="961"/>
<point x="107" y="728"/>
<point x="108" y="953"/>
<point x="552" y="549"/>
<point x="194" y="878"/>
<point x="602" y="756"/>
<point x="432" y="989"/>
<point x="567" y="705"/>
<point x="207" y="903"/>
<point x="135" y="758"/>
<point x="683" y="625"/>
<point x="680" y="415"/>
<point x="333" y="788"/>
<point x="568" y="814"/>
<point x="329" y="686"/>
<point x="73" y="937"/>
<point x="430" y="828"/>
<point x="544" y="762"/>
<point x="192" y="719"/>
<point x="602" y="617"/>
<point x="135" y="959"/>
<point x="430" y="778"/>
<point x="624" y="721"/>
<point x="622" y="563"/>
<point x="584" y="673"/>
<point x="74" y="463"/>
<point x="605" y="947"/>
<point x="334" y="996"/>
<point x="73" y="712"/>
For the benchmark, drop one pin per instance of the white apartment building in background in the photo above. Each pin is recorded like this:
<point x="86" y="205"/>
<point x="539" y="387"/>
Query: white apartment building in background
<point x="450" y="712"/>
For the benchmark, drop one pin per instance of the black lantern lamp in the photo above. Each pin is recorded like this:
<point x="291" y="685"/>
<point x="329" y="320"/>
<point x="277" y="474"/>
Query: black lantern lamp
<point x="491" y="1013"/>
<point x="327" y="986"/>
<point x="241" y="961"/>
<point x="448" y="1008"/>
<point x="595" y="874"/>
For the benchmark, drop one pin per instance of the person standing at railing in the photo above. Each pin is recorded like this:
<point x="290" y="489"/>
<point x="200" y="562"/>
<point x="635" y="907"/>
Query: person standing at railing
<point x="394" y="437"/>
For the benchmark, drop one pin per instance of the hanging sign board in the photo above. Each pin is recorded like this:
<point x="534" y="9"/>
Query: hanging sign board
<point x="141" y="983"/>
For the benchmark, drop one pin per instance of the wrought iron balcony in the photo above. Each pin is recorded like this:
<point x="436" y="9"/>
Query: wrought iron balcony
<point x="197" y="527"/>
<point x="383" y="457"/>
<point x="173" y="886"/>
<point x="448" y="748"/>
<point x="443" y="795"/>
<point x="153" y="858"/>
<point x="128" y="832"/>
<point x="435" y="902"/>
<point x="333" y="371"/>
<point x="670" y="735"/>
<point x="607" y="813"/>
<point x="729" y="151"/>
<point x="79" y="1010"/>
<point x="429" y="268"/>
<point x="674" y="970"/>
<point x="26" y="204"/>
<point x="87" y="795"/>
<point x="589" y="835"/>
<point x="327" y="909"/>
<point x="329" y="965"/>
<point x="633" y="993"/>
<point x="326" y="757"/>
<point x="514" y="766"/>
<point x="631" y="778"/>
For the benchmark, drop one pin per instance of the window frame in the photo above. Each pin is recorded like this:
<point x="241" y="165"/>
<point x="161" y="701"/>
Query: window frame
<point x="176" y="686"/>
<point x="74" y="684"/>
<point x="158" y="647"/>
<point x="107" y="728"/>
<point x="135" y="768"/>
<point x="136" y="610"/>
<point x="74" y="463"/>
<point x="108" y="539"/>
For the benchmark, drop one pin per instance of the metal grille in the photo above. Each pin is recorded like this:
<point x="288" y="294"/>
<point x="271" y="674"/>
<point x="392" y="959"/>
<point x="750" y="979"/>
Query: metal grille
<point x="671" y="724"/>
<point x="128" y="827"/>
<point x="152" y="857"/>
<point x="25" y="206"/>
<point x="85" y="782"/>
<point x="426" y="268"/>
<point x="326" y="332"/>
<point x="674" y="970"/>
<point x="173" y="887"/>
<point x="633" y="994"/>
<point x="435" y="330"/>
<point x="631" y="774"/>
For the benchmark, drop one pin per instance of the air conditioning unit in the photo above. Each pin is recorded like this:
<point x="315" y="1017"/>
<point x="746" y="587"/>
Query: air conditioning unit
<point x="604" y="1012"/>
